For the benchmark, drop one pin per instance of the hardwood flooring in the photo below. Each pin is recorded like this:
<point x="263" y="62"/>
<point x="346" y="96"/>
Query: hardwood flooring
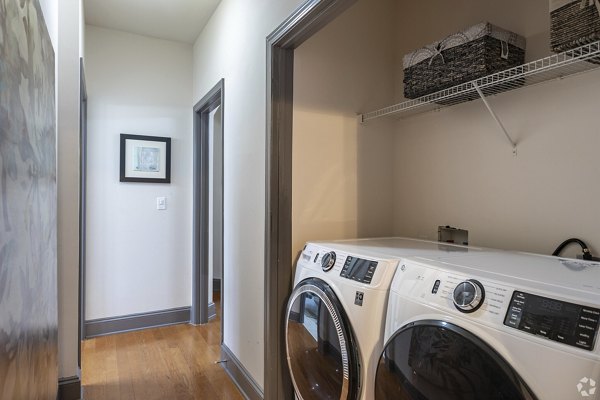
<point x="173" y="362"/>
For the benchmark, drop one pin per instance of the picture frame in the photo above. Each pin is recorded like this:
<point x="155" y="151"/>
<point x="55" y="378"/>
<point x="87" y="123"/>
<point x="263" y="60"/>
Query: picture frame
<point x="145" y="159"/>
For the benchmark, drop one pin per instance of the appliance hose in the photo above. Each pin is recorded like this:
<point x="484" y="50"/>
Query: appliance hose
<point x="586" y="251"/>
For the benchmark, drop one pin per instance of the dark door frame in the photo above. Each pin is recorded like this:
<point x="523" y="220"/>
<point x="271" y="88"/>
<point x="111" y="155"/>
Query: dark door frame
<point x="82" y="202"/>
<point x="200" y="236"/>
<point x="308" y="19"/>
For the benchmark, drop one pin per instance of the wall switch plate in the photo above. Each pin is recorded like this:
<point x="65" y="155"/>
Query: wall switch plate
<point x="161" y="203"/>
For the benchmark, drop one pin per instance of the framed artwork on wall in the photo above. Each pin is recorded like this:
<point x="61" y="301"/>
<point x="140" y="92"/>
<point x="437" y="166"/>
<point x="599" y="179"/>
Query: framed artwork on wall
<point x="145" y="159"/>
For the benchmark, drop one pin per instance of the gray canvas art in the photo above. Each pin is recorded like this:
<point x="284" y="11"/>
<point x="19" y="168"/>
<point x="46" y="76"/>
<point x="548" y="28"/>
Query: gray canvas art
<point x="28" y="291"/>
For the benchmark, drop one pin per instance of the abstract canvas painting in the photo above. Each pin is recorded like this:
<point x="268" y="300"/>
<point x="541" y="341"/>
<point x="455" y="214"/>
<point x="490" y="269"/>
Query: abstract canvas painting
<point x="28" y="265"/>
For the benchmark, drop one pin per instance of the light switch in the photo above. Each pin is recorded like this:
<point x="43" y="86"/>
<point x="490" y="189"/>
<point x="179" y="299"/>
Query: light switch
<point x="161" y="203"/>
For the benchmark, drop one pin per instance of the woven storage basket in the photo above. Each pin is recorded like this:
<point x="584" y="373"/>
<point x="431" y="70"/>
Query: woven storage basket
<point x="478" y="51"/>
<point x="573" y="23"/>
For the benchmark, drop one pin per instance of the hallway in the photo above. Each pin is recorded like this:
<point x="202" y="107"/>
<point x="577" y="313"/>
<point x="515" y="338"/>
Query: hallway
<point x="173" y="362"/>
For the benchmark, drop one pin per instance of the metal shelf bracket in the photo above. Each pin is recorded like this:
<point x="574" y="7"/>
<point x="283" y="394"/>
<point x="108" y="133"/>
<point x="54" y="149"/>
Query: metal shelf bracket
<point x="500" y="124"/>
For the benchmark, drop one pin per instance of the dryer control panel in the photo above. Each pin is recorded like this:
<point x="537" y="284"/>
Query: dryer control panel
<point x="556" y="320"/>
<point x="358" y="269"/>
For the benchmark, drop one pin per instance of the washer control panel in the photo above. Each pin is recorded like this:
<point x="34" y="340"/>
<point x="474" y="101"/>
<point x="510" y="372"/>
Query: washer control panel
<point x="359" y="269"/>
<point x="556" y="320"/>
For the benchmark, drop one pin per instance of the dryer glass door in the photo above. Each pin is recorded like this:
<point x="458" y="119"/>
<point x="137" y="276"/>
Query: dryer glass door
<point x="435" y="360"/>
<point x="322" y="355"/>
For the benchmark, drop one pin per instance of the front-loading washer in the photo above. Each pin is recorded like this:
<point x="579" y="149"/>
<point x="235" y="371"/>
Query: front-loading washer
<point x="336" y="312"/>
<point x="502" y="326"/>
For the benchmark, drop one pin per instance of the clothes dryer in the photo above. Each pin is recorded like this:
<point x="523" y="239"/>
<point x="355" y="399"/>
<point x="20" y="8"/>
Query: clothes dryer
<point x="335" y="315"/>
<point x="504" y="326"/>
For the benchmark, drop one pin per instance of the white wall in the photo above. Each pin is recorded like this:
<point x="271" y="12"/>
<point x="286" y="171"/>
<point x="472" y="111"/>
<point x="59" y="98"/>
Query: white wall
<point x="138" y="258"/>
<point x="455" y="167"/>
<point x="50" y="11"/>
<point x="342" y="171"/>
<point x="70" y="44"/>
<point x="232" y="46"/>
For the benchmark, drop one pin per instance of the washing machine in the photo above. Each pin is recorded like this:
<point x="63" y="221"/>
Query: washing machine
<point x="499" y="325"/>
<point x="335" y="315"/>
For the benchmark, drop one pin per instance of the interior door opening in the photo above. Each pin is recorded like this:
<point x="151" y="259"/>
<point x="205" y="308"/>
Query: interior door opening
<point x="208" y="205"/>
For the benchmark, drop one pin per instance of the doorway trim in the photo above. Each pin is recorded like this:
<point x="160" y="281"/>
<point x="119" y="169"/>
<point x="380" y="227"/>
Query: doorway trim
<point x="83" y="99"/>
<point x="200" y="307"/>
<point x="308" y="19"/>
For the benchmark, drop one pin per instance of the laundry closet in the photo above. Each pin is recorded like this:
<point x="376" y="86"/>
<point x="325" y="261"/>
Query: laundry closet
<point x="395" y="176"/>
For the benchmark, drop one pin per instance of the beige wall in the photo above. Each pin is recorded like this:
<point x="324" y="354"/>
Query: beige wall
<point x="455" y="167"/>
<point x="450" y="167"/>
<point x="342" y="171"/>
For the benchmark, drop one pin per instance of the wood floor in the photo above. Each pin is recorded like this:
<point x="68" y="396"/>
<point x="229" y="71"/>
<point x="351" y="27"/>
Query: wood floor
<point x="174" y="362"/>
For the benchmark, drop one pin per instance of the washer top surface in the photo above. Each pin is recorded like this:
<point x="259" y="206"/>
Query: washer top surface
<point x="561" y="275"/>
<point x="397" y="247"/>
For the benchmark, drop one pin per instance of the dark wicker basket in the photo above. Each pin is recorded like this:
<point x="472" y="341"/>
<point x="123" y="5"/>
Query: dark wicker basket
<point x="574" y="24"/>
<point x="460" y="64"/>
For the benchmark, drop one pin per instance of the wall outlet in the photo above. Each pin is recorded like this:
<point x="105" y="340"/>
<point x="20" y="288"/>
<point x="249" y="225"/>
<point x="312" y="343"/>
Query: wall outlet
<point x="161" y="203"/>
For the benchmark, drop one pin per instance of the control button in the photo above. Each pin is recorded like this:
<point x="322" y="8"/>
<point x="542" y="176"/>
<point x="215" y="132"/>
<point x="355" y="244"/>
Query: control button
<point x="560" y="338"/>
<point x="436" y="286"/>
<point x="584" y="327"/>
<point x="588" y="319"/>
<point x="543" y="332"/>
<point x="468" y="296"/>
<point x="316" y="257"/>
<point x="513" y="322"/>
<point x="328" y="261"/>
<point x="583" y="343"/>
<point x="591" y="312"/>
<point x="527" y="328"/>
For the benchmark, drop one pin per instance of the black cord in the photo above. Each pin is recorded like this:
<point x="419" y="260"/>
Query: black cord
<point x="586" y="251"/>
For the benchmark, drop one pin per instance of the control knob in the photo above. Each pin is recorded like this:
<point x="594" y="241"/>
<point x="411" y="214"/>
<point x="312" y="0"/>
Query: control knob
<point x="328" y="261"/>
<point x="468" y="296"/>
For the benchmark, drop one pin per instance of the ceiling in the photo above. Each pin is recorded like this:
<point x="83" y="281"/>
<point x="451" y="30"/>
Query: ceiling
<point x="179" y="20"/>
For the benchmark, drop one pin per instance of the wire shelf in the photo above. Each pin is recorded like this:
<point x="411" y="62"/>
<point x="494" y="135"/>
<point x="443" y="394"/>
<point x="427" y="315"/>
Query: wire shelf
<point x="581" y="59"/>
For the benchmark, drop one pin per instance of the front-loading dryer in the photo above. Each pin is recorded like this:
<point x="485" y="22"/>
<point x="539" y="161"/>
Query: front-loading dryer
<point x="502" y="326"/>
<point x="336" y="313"/>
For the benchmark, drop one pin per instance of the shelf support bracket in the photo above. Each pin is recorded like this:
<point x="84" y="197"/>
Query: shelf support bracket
<point x="500" y="124"/>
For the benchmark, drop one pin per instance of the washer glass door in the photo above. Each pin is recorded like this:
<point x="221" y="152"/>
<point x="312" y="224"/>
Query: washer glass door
<point x="321" y="352"/>
<point x="435" y="360"/>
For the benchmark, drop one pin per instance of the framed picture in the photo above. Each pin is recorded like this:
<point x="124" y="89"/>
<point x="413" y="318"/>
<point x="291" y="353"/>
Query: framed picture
<point x="145" y="159"/>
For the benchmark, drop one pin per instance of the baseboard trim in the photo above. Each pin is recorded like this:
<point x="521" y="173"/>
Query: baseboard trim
<point x="69" y="388"/>
<point x="212" y="310"/>
<point x="216" y="285"/>
<point x="240" y="375"/>
<point x="134" y="322"/>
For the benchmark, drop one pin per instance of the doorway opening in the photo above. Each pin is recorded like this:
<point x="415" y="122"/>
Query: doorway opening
<point x="307" y="20"/>
<point x="131" y="361"/>
<point x="207" y="274"/>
